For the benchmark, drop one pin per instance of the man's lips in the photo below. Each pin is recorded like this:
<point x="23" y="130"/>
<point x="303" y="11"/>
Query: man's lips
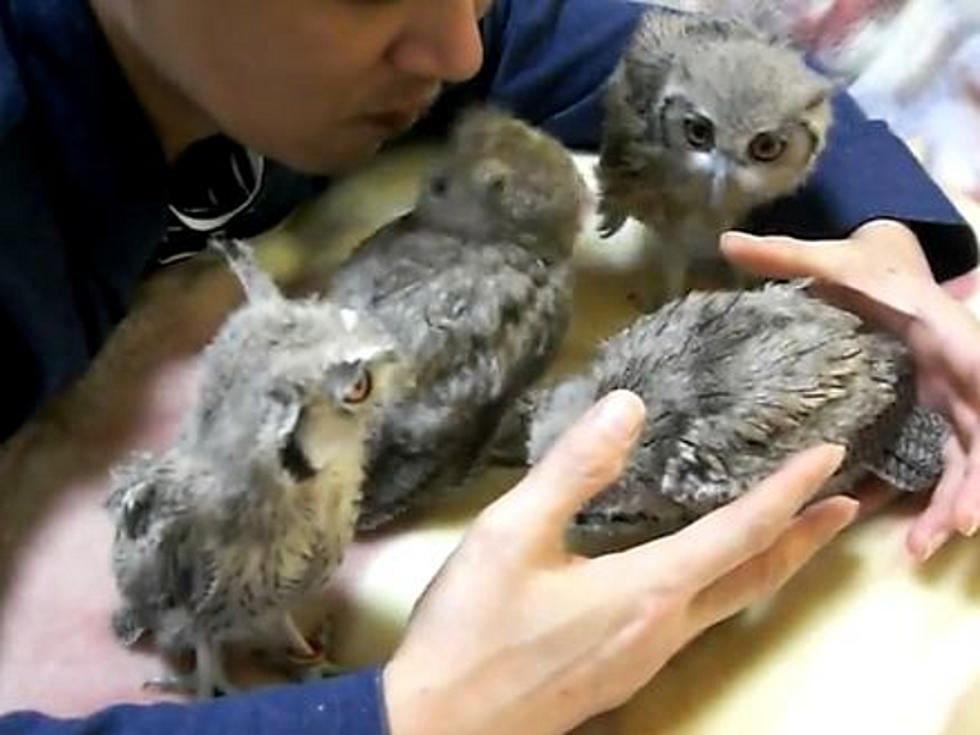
<point x="403" y="112"/>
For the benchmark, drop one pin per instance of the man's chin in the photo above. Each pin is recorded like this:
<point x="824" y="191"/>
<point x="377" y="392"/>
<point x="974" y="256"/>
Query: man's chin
<point x="336" y="160"/>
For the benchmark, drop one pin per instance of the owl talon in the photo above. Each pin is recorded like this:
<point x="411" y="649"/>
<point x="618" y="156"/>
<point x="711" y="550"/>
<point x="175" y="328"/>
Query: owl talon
<point x="611" y="221"/>
<point x="171" y="684"/>
<point x="186" y="685"/>
<point x="610" y="227"/>
<point x="315" y="664"/>
<point x="315" y="654"/>
<point x="322" y="670"/>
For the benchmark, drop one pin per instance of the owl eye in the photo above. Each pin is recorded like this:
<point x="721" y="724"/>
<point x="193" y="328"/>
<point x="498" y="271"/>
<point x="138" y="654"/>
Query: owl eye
<point x="700" y="132"/>
<point x="359" y="390"/>
<point x="766" y="147"/>
<point x="439" y="186"/>
<point x="496" y="184"/>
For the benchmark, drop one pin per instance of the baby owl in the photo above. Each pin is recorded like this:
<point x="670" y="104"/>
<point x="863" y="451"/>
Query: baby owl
<point x="705" y="119"/>
<point x="253" y="505"/>
<point x="735" y="382"/>
<point x="475" y="285"/>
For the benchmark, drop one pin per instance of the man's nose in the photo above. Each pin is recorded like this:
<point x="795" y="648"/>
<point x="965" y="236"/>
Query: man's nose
<point x="443" y="42"/>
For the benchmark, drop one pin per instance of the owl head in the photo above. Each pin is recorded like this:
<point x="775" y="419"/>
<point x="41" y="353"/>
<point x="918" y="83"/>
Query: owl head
<point x="740" y="111"/>
<point x="286" y="384"/>
<point x="505" y="180"/>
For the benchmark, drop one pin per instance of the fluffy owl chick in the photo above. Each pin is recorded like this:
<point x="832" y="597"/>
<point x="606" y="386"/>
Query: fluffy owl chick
<point x="705" y="119"/>
<point x="475" y="285"/>
<point x="251" y="508"/>
<point x="735" y="382"/>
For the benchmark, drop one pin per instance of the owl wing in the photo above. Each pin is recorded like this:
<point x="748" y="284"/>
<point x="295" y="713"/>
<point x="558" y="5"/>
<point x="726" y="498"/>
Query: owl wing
<point x="156" y="565"/>
<point x="771" y="377"/>
<point x="481" y="313"/>
<point x="401" y="256"/>
<point x="442" y="297"/>
<point x="479" y="330"/>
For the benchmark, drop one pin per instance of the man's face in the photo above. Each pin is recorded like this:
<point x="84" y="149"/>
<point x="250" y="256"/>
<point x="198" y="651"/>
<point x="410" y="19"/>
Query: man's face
<point x="317" y="84"/>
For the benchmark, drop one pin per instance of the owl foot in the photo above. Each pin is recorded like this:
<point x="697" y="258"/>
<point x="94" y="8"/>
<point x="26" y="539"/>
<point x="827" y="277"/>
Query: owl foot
<point x="307" y="656"/>
<point x="609" y="228"/>
<point x="313" y="653"/>
<point x="304" y="651"/>
<point x="611" y="221"/>
<point x="323" y="670"/>
<point x="185" y="684"/>
<point x="200" y="684"/>
<point x="127" y="626"/>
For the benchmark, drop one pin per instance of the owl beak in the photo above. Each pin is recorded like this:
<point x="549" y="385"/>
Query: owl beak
<point x="720" y="171"/>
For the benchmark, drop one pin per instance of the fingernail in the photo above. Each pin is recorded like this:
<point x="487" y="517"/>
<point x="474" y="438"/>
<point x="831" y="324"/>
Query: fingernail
<point x="854" y="507"/>
<point x="737" y="233"/>
<point x="620" y="413"/>
<point x="835" y="454"/>
<point x="970" y="525"/>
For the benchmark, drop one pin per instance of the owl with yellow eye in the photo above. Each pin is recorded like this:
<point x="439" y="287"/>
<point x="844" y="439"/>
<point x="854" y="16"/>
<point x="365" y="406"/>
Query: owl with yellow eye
<point x="706" y="118"/>
<point x="221" y="535"/>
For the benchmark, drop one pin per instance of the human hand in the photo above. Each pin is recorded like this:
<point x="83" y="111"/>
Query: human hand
<point x="515" y="634"/>
<point x="881" y="274"/>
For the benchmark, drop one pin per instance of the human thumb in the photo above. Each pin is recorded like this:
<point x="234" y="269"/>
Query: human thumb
<point x="585" y="459"/>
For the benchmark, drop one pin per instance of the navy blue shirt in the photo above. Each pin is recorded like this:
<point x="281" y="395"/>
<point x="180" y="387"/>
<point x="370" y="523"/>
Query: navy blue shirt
<point x="84" y="193"/>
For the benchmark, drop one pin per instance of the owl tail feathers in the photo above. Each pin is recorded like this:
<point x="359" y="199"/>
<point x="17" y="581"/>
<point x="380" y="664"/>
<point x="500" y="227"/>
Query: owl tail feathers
<point x="128" y="626"/>
<point x="914" y="460"/>
<point x="256" y="283"/>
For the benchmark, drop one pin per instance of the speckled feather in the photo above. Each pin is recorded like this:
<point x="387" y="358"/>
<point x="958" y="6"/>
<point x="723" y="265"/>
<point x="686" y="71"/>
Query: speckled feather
<point x="735" y="382"/>
<point x="253" y="505"/>
<point x="475" y="284"/>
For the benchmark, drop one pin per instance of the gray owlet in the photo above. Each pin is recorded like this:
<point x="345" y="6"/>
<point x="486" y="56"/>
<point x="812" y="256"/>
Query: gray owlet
<point x="705" y="119"/>
<point x="735" y="382"/>
<point x="253" y="505"/>
<point x="475" y="284"/>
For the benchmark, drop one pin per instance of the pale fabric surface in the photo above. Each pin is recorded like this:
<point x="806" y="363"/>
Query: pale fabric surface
<point x="861" y="642"/>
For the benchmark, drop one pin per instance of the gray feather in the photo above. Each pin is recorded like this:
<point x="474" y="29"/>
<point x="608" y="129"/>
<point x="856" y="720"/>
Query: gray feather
<point x="735" y="382"/>
<point x="910" y="462"/>
<point x="218" y="535"/>
<point x="706" y="119"/>
<point x="475" y="284"/>
<point x="255" y="282"/>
